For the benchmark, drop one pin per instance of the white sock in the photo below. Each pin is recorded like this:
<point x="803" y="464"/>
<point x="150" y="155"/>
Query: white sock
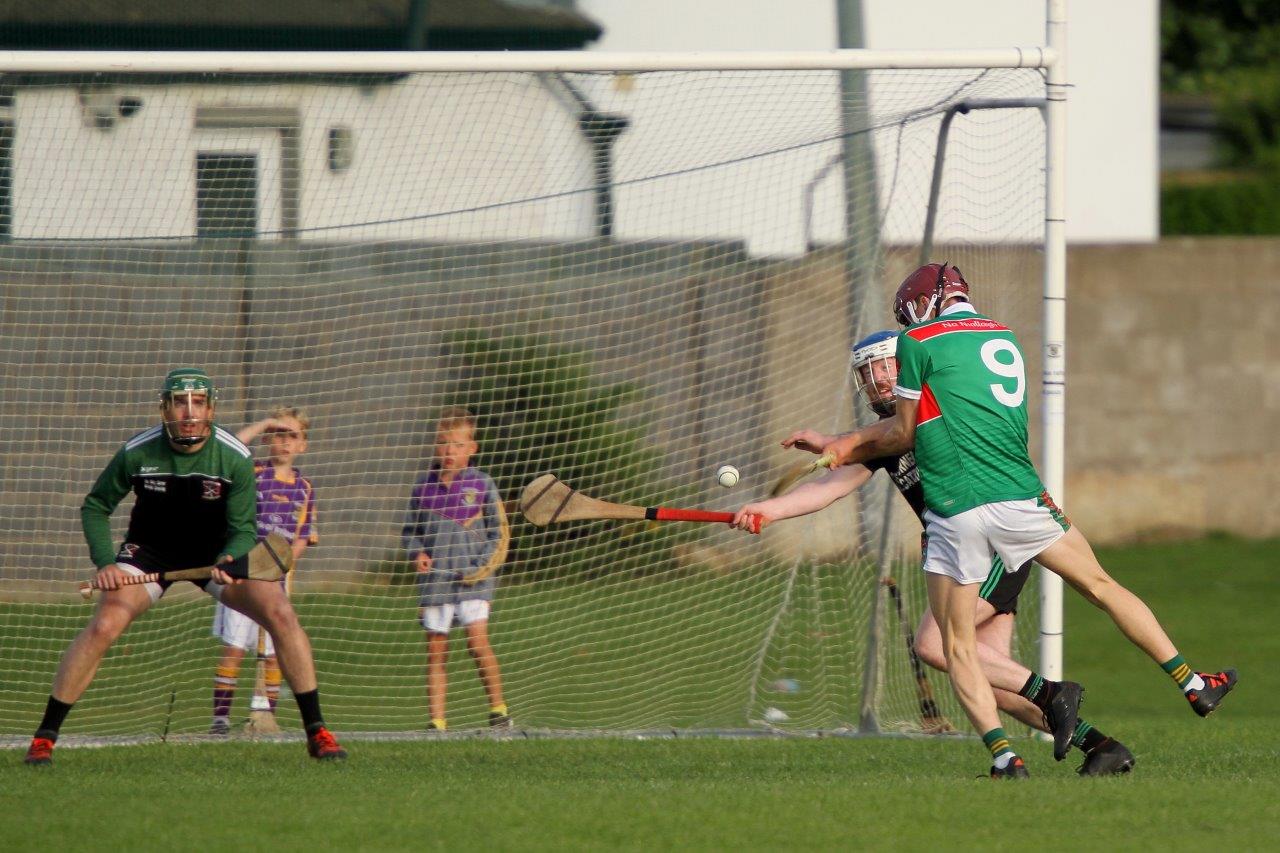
<point x="1196" y="683"/>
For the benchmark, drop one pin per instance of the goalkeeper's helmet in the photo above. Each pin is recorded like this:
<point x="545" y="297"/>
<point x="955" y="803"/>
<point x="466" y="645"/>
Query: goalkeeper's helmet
<point x="939" y="282"/>
<point x="875" y="370"/>
<point x="189" y="384"/>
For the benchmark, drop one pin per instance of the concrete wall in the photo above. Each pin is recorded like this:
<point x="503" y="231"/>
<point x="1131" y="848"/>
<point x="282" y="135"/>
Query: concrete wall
<point x="1173" y="396"/>
<point x="1173" y="401"/>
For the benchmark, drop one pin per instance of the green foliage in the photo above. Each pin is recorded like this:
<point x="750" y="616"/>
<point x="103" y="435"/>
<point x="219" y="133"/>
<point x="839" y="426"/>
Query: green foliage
<point x="541" y="409"/>
<point x="1203" y="41"/>
<point x="1248" y="108"/>
<point x="1228" y="50"/>
<point x="1244" y="206"/>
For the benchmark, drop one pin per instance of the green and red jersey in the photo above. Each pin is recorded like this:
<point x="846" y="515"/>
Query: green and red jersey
<point x="189" y="508"/>
<point x="969" y="375"/>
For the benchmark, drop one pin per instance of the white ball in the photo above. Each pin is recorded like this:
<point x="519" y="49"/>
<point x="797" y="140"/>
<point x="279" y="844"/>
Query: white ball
<point x="727" y="476"/>
<point x="776" y="715"/>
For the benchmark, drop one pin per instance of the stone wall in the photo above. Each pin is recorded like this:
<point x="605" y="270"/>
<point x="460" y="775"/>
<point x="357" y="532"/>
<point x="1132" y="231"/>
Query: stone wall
<point x="1173" y="396"/>
<point x="1173" y="359"/>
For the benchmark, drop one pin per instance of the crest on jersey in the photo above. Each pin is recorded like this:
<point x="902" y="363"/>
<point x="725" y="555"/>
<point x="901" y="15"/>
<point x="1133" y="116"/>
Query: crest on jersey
<point x="470" y="497"/>
<point x="212" y="490"/>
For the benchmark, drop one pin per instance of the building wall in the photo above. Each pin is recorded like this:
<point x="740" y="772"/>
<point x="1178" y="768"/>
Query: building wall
<point x="424" y="148"/>
<point x="1173" y="401"/>
<point x="1173" y="386"/>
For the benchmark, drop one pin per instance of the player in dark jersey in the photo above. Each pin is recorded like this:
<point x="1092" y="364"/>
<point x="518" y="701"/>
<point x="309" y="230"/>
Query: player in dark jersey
<point x="194" y="488"/>
<point x="962" y="409"/>
<point x="875" y="371"/>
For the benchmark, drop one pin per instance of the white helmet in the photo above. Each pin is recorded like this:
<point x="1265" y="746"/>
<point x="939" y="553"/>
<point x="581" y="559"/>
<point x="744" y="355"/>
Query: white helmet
<point x="876" y="347"/>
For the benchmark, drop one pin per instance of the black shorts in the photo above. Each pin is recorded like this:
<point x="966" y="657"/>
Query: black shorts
<point x="1002" y="588"/>
<point x="140" y="558"/>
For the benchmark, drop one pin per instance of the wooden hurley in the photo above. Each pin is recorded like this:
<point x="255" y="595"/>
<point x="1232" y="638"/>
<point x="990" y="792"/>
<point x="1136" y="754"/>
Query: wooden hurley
<point x="269" y="560"/>
<point x="546" y="500"/>
<point x="798" y="473"/>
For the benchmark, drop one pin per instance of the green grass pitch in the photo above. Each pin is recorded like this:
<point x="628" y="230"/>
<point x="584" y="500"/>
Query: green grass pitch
<point x="1199" y="784"/>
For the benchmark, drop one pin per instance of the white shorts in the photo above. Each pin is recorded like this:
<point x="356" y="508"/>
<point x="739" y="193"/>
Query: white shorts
<point x="961" y="547"/>
<point x="439" y="618"/>
<point x="236" y="629"/>
<point x="155" y="590"/>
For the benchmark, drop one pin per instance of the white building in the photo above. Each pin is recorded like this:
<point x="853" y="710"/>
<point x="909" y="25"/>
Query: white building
<point x="439" y="157"/>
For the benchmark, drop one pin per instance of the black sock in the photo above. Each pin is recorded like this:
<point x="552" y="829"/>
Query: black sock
<point x="1087" y="738"/>
<point x="1039" y="690"/>
<point x="54" y="714"/>
<point x="309" y="707"/>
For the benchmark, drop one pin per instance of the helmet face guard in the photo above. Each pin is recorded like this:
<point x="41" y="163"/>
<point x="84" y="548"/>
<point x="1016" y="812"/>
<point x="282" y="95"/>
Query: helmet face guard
<point x="875" y="370"/>
<point x="187" y="383"/>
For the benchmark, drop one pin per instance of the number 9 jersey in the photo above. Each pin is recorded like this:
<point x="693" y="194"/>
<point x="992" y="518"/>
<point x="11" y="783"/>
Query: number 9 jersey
<point x="969" y="376"/>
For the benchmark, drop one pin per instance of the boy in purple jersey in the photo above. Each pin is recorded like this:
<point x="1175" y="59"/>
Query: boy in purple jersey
<point x="456" y="536"/>
<point x="285" y="505"/>
<point x="961" y="405"/>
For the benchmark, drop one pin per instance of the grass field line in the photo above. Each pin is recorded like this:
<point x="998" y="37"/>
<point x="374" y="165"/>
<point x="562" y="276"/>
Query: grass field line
<point x="519" y="734"/>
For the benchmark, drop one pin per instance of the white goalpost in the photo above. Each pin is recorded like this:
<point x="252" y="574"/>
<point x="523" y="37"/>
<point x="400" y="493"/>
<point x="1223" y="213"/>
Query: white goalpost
<point x="632" y="268"/>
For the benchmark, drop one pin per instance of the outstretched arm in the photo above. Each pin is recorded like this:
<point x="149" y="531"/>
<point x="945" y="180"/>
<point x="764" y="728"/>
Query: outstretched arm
<point x="809" y="497"/>
<point x="888" y="437"/>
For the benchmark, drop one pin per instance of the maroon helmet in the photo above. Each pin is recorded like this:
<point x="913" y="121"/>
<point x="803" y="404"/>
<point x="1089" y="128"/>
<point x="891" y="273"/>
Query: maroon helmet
<point x="936" y="281"/>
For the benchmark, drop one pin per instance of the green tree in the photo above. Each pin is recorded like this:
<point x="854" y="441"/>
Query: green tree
<point x="1203" y="42"/>
<point x="540" y="408"/>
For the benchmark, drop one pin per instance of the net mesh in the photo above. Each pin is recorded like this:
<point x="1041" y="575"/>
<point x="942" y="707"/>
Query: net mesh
<point x="629" y="278"/>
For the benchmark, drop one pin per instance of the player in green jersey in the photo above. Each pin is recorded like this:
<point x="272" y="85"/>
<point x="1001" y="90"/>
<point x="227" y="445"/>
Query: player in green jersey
<point x="195" y="499"/>
<point x="962" y="406"/>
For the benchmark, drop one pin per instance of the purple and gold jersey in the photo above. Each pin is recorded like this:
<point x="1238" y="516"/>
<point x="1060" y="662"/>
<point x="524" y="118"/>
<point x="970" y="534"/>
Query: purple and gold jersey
<point x="287" y="507"/>
<point x="463" y="527"/>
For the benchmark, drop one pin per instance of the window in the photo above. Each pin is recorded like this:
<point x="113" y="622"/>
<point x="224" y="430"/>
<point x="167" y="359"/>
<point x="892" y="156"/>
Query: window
<point x="226" y="195"/>
<point x="6" y="180"/>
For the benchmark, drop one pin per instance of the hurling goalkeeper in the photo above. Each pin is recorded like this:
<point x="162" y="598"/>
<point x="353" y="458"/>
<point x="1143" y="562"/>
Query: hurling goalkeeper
<point x="195" y="496"/>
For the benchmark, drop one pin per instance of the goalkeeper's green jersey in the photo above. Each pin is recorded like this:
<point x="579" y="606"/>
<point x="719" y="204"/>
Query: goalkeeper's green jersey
<point x="969" y="375"/>
<point x="189" y="508"/>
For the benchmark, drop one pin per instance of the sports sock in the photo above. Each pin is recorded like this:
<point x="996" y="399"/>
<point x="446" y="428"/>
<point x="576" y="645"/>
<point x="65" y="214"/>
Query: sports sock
<point x="1039" y="690"/>
<point x="271" y="678"/>
<point x="224" y="689"/>
<point x="998" y="742"/>
<point x="55" y="712"/>
<point x="499" y="709"/>
<point x="1087" y="738"/>
<point x="309" y="708"/>
<point x="1182" y="674"/>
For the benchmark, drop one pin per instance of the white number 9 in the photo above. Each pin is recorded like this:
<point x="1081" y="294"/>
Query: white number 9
<point x="1011" y="370"/>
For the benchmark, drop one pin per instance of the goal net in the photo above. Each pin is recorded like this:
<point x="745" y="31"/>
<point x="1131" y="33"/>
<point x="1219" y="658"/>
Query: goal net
<point x="630" y="279"/>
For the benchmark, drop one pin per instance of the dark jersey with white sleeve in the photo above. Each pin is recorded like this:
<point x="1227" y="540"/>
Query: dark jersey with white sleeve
<point x="189" y="508"/>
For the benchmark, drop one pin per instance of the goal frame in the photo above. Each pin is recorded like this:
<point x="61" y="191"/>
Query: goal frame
<point x="1050" y="58"/>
